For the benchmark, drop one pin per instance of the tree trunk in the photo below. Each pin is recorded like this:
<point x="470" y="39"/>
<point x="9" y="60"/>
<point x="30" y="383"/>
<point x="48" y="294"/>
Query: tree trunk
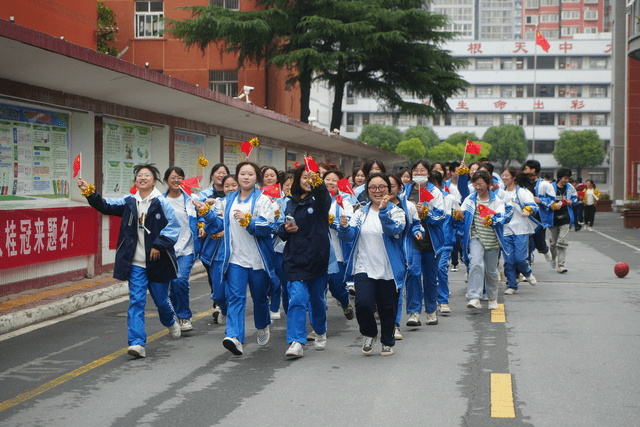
<point x="578" y="173"/>
<point x="336" y="110"/>
<point x="305" y="92"/>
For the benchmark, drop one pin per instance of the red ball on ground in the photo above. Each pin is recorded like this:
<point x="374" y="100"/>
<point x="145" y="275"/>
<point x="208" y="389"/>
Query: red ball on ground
<point x="621" y="269"/>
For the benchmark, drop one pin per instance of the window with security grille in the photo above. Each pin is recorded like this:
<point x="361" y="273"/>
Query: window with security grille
<point x="598" y="91"/>
<point x="598" y="63"/>
<point x="597" y="119"/>
<point x="224" y="81"/>
<point x="484" y="119"/>
<point x="148" y="19"/>
<point x="484" y="91"/>
<point x="227" y="4"/>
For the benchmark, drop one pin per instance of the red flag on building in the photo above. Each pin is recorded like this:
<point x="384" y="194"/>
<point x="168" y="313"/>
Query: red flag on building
<point x="189" y="184"/>
<point x="542" y="42"/>
<point x="77" y="165"/>
<point x="272" y="191"/>
<point x="485" y="211"/>
<point x="473" y="148"/>
<point x="425" y="195"/>
<point x="345" y="187"/>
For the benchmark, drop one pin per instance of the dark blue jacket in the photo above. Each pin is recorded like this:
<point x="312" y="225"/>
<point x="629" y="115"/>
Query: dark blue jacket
<point x="163" y="226"/>
<point x="306" y="253"/>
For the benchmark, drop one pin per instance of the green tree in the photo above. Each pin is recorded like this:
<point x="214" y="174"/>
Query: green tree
<point x="426" y="135"/>
<point x="446" y="152"/>
<point x="508" y="144"/>
<point x="579" y="149"/>
<point x="106" y="30"/>
<point x="383" y="47"/>
<point x="377" y="135"/>
<point x="412" y="148"/>
<point x="460" y="140"/>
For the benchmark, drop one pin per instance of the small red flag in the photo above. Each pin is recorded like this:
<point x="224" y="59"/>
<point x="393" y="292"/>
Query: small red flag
<point x="272" y="191"/>
<point x="77" y="165"/>
<point x="485" y="211"/>
<point x="473" y="148"/>
<point x="339" y="201"/>
<point x="333" y="193"/>
<point x="311" y="164"/>
<point x="246" y="147"/>
<point x="425" y="195"/>
<point x="542" y="42"/>
<point x="564" y="202"/>
<point x="446" y="188"/>
<point x="345" y="187"/>
<point x="134" y="189"/>
<point x="188" y="184"/>
<point x="495" y="187"/>
<point x="296" y="165"/>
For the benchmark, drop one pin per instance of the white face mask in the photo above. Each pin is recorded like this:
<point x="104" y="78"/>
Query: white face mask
<point x="420" y="180"/>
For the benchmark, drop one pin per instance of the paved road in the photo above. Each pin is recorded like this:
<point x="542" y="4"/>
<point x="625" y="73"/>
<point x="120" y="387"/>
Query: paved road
<point x="568" y="344"/>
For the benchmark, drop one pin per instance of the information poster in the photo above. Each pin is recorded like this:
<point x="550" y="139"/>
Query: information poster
<point x="232" y="154"/>
<point x="124" y="145"/>
<point x="187" y="148"/>
<point x="34" y="153"/>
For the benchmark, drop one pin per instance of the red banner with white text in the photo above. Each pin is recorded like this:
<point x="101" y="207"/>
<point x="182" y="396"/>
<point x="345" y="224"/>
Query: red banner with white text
<point x="32" y="236"/>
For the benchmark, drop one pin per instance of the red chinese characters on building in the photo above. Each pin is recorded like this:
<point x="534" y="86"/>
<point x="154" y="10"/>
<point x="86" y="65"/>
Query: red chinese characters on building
<point x="538" y="105"/>
<point x="462" y="106"/>
<point x="475" y="48"/>
<point x="520" y="47"/>
<point x="566" y="46"/>
<point x="608" y="49"/>
<point x="500" y="104"/>
<point x="39" y="235"/>
<point x="577" y="105"/>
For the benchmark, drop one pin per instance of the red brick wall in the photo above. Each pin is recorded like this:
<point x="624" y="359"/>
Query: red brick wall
<point x="633" y="126"/>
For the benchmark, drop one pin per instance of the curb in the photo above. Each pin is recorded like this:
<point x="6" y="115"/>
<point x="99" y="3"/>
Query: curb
<point x="20" y="319"/>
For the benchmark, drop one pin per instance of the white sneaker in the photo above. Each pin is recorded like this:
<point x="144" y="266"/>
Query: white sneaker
<point x="263" y="336"/>
<point x="444" y="309"/>
<point x="215" y="314"/>
<point x="397" y="335"/>
<point x="466" y="277"/>
<point x="532" y="280"/>
<point x="522" y="278"/>
<point x="547" y="256"/>
<point x="222" y="319"/>
<point x="311" y="336"/>
<point x="367" y="346"/>
<point x="174" y="330"/>
<point x="295" y="350"/>
<point x="454" y="268"/>
<point x="233" y="345"/>
<point x="510" y="291"/>
<point x="474" y="303"/>
<point x="352" y="290"/>
<point x="136" y="351"/>
<point x="275" y="315"/>
<point x="562" y="270"/>
<point x="321" y="342"/>
<point x="432" y="318"/>
<point x="414" y="320"/>
<point x="493" y="304"/>
<point x="185" y="324"/>
<point x="387" y="350"/>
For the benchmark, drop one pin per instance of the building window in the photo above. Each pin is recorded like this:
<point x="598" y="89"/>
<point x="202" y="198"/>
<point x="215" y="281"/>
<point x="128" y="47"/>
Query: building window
<point x="598" y="91"/>
<point x="570" y="1"/>
<point x="227" y="4"/>
<point x="378" y="119"/>
<point x="591" y="1"/>
<point x="531" y="19"/>
<point x="351" y="122"/>
<point x="484" y="119"/>
<point x="532" y="4"/>
<point x="404" y="120"/>
<point x="569" y="63"/>
<point x="543" y="147"/>
<point x="549" y="3"/>
<point x="519" y="91"/>
<point x="365" y="119"/>
<point x="506" y="91"/>
<point x="598" y="63"/>
<point x="512" y="119"/>
<point x="542" y="119"/>
<point x="422" y="121"/>
<point x="567" y="91"/>
<point x="484" y="64"/>
<point x="462" y="119"/>
<point x="549" y="17"/>
<point x="597" y="177"/>
<point x="224" y="81"/>
<point x="569" y="119"/>
<point x="597" y="119"/>
<point x="550" y="34"/>
<point x="436" y="120"/>
<point x="149" y="16"/>
<point x="506" y="64"/>
<point x="591" y="30"/>
<point x="544" y="63"/>
<point x="570" y="14"/>
<point x="447" y="119"/>
<point x="519" y="63"/>
<point x="462" y="93"/>
<point x="484" y="91"/>
<point x="590" y="15"/>
<point x="569" y="31"/>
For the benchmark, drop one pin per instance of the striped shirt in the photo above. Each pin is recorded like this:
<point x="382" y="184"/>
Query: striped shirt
<point x="486" y="235"/>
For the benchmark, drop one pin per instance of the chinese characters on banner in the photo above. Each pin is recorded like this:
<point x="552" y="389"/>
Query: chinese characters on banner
<point x="31" y="236"/>
<point x="187" y="148"/>
<point x="232" y="154"/>
<point x="125" y="145"/>
<point x="34" y="152"/>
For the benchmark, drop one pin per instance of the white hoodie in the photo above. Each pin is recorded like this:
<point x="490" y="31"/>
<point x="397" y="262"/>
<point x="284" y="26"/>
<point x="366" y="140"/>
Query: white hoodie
<point x="140" y="256"/>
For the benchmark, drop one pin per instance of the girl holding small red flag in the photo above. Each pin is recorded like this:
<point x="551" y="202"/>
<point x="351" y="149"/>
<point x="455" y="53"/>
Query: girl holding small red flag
<point x="484" y="216"/>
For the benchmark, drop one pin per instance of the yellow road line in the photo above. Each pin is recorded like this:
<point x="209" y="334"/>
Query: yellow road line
<point x="502" y="396"/>
<point x="498" y="316"/>
<point x="86" y="368"/>
<point x="27" y="299"/>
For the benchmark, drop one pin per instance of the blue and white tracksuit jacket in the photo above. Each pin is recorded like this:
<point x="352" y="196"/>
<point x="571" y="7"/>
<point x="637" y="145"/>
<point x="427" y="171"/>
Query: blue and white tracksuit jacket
<point x="572" y="195"/>
<point x="546" y="192"/>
